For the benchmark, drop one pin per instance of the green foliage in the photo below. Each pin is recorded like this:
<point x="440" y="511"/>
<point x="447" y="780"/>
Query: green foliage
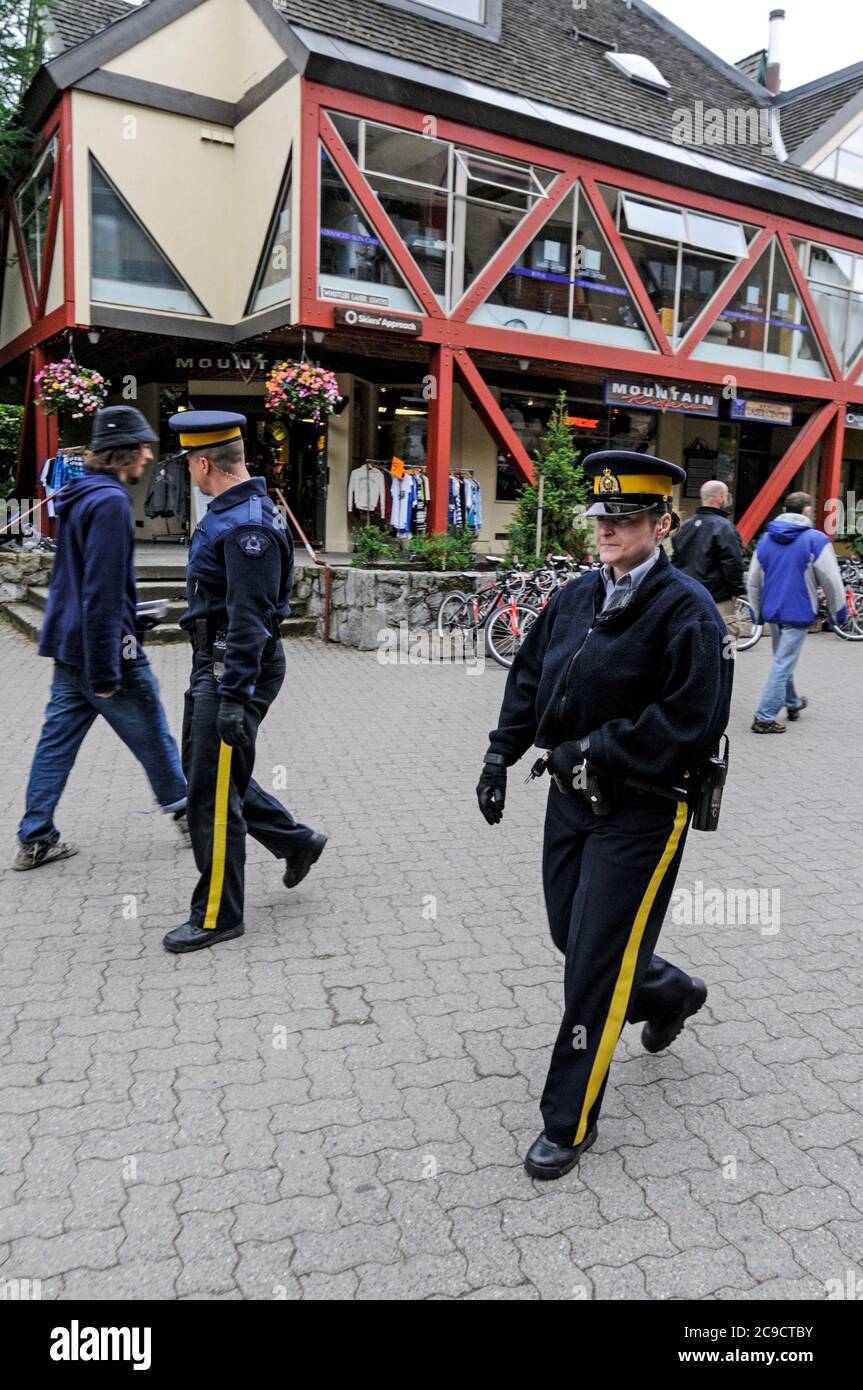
<point x="11" y="417"/>
<point x="853" y="539"/>
<point x="565" y="492"/>
<point x="370" y="545"/>
<point x="453" y="551"/>
<point x="22" y="39"/>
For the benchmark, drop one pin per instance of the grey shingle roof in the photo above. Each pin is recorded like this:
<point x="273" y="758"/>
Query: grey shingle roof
<point x="76" y="20"/>
<point x="537" y="57"/>
<point x="807" y="109"/>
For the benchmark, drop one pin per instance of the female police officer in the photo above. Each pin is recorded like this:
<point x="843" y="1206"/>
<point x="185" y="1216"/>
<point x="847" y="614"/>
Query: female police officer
<point x="624" y="677"/>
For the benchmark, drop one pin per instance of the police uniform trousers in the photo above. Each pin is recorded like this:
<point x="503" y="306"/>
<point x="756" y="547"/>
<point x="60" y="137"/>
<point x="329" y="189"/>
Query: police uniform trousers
<point x="608" y="881"/>
<point x="223" y="800"/>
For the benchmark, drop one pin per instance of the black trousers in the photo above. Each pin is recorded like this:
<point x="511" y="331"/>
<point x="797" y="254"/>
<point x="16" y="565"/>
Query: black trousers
<point x="223" y="800"/>
<point x="608" y="881"/>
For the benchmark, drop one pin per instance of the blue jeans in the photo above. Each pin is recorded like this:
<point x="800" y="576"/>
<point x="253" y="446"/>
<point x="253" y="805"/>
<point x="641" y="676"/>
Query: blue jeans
<point x="779" y="690"/>
<point x="134" y="713"/>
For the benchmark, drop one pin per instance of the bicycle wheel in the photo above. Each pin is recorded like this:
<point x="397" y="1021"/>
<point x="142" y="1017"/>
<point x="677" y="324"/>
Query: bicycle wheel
<point x="852" y="629"/>
<point x="748" y="630"/>
<point x="454" y="614"/>
<point x="506" y="629"/>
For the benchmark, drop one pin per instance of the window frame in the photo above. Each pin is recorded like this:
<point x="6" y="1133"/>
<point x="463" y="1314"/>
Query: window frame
<point x="487" y="28"/>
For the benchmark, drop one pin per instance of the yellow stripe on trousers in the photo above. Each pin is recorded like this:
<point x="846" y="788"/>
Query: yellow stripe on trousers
<point x="220" y="836"/>
<point x="623" y="988"/>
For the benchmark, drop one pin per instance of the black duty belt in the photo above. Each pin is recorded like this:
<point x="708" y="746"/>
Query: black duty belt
<point x="204" y="632"/>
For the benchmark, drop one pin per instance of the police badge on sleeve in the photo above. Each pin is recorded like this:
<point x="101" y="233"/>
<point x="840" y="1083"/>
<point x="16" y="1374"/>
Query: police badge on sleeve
<point x="254" y="544"/>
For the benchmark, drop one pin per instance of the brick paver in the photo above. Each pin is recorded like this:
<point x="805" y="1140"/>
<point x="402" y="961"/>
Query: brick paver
<point x="336" y="1105"/>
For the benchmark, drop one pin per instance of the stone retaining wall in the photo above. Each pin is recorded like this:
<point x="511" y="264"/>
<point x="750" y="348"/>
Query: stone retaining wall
<point x="363" y="601"/>
<point x="21" y="568"/>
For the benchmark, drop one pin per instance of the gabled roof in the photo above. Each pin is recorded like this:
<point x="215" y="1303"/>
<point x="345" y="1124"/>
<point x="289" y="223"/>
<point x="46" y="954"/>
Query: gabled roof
<point x="73" y="21"/>
<point x="810" y="108"/>
<point x="754" y="65"/>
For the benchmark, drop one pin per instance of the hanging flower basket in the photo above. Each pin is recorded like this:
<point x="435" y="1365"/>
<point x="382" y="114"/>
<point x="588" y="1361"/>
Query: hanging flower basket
<point x="302" y="391"/>
<point x="66" y="386"/>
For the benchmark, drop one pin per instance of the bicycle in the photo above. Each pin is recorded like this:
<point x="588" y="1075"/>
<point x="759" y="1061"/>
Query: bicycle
<point x="849" y="631"/>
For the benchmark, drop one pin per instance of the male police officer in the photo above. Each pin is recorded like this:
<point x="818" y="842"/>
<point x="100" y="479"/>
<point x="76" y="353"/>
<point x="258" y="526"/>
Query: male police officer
<point x="238" y="585"/>
<point x="624" y="679"/>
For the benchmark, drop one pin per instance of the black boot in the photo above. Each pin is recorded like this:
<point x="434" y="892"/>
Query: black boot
<point x="190" y="937"/>
<point x="299" y="864"/>
<point x="546" y="1160"/>
<point x="657" y="1036"/>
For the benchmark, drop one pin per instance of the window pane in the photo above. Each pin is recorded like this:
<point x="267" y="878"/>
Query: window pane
<point x="349" y="129"/>
<point x="653" y="221"/>
<point x="831" y="267"/>
<point x="127" y="265"/>
<point x="855" y="331"/>
<point x="849" y="169"/>
<point x="789" y="332"/>
<point x="420" y="218"/>
<point x="537" y="288"/>
<point x="657" y="267"/>
<point x="854" y="143"/>
<point x="274" y="286"/>
<point x="832" y="307"/>
<point x="603" y="307"/>
<point x="353" y="264"/>
<point x="710" y="234"/>
<point x="701" y="277"/>
<point x="740" y="327"/>
<point x="486" y="229"/>
<point x="464" y="9"/>
<point x="406" y="156"/>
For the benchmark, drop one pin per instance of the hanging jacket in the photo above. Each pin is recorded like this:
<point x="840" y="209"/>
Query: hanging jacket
<point x="791" y="562"/>
<point x="708" y="548"/>
<point x="90" y="618"/>
<point x="168" y="492"/>
<point x="366" y="490"/>
<point x="649" y="684"/>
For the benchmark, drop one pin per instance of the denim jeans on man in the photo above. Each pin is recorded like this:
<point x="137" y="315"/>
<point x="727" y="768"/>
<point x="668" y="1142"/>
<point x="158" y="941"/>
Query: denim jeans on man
<point x="779" y="690"/>
<point x="134" y="713"/>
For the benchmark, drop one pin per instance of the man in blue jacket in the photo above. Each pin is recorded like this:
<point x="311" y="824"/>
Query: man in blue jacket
<point x="92" y="632"/>
<point x="791" y="562"/>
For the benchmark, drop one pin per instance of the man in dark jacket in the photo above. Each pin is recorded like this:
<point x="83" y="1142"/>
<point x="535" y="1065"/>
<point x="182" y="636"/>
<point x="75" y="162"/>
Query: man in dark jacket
<point x="708" y="548"/>
<point x="791" y="562"/>
<point x="92" y="632"/>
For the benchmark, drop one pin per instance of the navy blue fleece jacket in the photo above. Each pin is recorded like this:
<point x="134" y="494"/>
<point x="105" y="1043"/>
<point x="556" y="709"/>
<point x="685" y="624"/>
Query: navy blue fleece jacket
<point x="649" y="684"/>
<point x="90" y="617"/>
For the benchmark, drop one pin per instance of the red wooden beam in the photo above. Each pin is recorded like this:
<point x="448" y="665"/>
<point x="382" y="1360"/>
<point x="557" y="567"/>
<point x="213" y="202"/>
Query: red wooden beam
<point x="23" y="260"/>
<point x="493" y="417"/>
<point x="518" y="241"/>
<point x="726" y="292"/>
<point x="791" y="461"/>
<point x="439" y="444"/>
<point x="377" y="216"/>
<point x="309" y="179"/>
<point x="41" y="332"/>
<point x="831" y="474"/>
<point x="809" y="305"/>
<point x="626" y="263"/>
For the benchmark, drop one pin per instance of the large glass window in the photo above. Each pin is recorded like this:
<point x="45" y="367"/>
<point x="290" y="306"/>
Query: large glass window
<point x="273" y="284"/>
<point x="845" y="164"/>
<point x="32" y="202"/>
<point x="765" y="325"/>
<point x="128" y="267"/>
<point x="836" y="285"/>
<point x="354" y="265"/>
<point x="453" y="208"/>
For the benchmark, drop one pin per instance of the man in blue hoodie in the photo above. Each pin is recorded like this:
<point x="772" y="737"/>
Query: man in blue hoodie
<point x="92" y="631"/>
<point x="791" y="562"/>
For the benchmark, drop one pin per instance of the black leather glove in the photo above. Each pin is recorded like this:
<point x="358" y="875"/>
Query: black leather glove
<point x="564" y="761"/>
<point x="231" y="724"/>
<point x="491" y="791"/>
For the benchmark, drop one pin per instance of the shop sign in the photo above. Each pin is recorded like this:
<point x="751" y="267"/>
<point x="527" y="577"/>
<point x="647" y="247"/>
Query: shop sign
<point x="767" y="412"/>
<point x="581" y="422"/>
<point x="854" y="420"/>
<point x="683" y="399"/>
<point x="378" y="322"/>
<point x="381" y="301"/>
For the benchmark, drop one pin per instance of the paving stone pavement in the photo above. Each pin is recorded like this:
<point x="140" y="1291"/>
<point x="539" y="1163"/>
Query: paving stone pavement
<point x="336" y="1105"/>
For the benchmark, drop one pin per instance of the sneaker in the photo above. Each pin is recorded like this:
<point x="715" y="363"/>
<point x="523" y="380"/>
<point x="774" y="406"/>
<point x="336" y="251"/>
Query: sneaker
<point x="767" y="726"/>
<point x="794" y="712"/>
<point x="39" y="852"/>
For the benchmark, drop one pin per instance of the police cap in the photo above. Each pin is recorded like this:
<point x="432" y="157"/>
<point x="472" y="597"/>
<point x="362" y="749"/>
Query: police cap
<point x="628" y="484"/>
<point x="198" y="428"/>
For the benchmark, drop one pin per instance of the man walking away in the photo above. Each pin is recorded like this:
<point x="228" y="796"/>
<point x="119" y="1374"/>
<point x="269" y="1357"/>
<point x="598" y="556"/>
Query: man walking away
<point x="91" y="631"/>
<point x="708" y="548"/>
<point x="791" y="562"/>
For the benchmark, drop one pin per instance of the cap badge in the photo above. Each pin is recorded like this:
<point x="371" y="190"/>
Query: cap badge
<point x="609" y="482"/>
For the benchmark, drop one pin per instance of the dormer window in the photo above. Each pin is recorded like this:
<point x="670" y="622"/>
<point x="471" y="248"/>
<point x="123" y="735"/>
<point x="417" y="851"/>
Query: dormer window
<point x="639" y="70"/>
<point x="476" y="16"/>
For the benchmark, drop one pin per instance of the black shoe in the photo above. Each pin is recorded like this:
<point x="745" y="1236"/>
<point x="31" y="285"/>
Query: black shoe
<point x="794" y="713"/>
<point x="39" y="852"/>
<point x="546" y="1160"/>
<point x="657" y="1036"/>
<point x="299" y="864"/>
<point x="190" y="937"/>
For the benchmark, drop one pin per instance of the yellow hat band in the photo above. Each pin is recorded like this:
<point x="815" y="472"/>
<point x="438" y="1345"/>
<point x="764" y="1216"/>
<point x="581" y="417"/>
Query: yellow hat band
<point x="632" y="482"/>
<point x="196" y="441"/>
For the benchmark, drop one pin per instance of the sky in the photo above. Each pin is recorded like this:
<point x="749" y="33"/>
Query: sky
<point x="819" y="36"/>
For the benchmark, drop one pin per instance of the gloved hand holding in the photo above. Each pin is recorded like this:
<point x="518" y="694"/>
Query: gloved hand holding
<point x="231" y="724"/>
<point x="564" y="761"/>
<point x="491" y="791"/>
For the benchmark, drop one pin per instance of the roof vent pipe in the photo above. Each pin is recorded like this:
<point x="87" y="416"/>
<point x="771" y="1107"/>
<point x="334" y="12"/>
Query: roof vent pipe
<point x="772" y="79"/>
